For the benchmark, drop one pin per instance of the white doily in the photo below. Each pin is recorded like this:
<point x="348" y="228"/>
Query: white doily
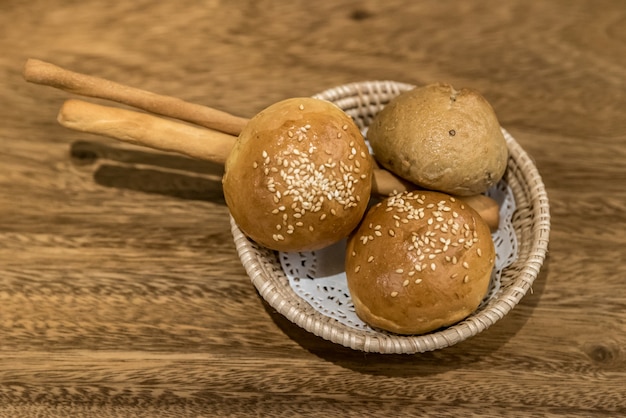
<point x="318" y="277"/>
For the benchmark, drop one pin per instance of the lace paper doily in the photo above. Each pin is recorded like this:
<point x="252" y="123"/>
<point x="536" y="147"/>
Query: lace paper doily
<point x="319" y="278"/>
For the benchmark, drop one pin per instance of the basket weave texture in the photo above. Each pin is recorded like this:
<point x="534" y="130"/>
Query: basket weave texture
<point x="531" y="222"/>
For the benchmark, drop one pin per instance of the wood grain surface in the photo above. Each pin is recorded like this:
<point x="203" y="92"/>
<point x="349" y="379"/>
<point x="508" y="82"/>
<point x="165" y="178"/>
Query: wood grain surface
<point x="121" y="292"/>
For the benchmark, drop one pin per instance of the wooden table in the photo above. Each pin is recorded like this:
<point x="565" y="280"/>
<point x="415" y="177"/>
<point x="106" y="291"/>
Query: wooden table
<point x="121" y="292"/>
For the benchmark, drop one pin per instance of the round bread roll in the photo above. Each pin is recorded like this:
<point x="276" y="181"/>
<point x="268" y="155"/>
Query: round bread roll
<point x="419" y="261"/>
<point x="299" y="176"/>
<point x="441" y="139"/>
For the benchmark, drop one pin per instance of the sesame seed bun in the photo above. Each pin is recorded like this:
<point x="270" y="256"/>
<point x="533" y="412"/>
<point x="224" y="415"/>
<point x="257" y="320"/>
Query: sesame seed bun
<point x="441" y="139"/>
<point x="418" y="261"/>
<point x="299" y="176"/>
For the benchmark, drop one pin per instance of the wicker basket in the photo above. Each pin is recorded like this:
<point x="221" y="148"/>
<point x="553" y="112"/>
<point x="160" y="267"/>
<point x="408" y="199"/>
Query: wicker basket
<point x="531" y="222"/>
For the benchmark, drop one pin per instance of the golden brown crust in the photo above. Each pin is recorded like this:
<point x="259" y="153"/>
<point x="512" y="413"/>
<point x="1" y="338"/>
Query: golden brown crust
<point x="419" y="261"/>
<point x="299" y="176"/>
<point x="441" y="139"/>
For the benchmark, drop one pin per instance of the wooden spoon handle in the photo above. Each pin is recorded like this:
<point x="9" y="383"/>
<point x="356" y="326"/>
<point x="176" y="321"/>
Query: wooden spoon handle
<point x="146" y="130"/>
<point x="40" y="72"/>
<point x="201" y="143"/>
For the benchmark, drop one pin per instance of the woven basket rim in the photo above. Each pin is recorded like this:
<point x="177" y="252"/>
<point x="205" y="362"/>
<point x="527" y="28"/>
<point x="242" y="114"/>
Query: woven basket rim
<point x="263" y="268"/>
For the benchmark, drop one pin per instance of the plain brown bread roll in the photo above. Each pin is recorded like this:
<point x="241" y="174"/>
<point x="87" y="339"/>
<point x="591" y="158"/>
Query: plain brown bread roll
<point x="299" y="176"/>
<point x="419" y="261"/>
<point x="441" y="139"/>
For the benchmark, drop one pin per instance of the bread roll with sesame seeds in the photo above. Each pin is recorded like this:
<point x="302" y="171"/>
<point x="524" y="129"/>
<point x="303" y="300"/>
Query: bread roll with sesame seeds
<point x="299" y="176"/>
<point x="441" y="139"/>
<point x="419" y="261"/>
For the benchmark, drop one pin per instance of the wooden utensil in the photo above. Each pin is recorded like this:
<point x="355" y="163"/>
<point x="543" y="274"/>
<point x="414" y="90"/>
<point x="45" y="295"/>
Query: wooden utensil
<point x="212" y="141"/>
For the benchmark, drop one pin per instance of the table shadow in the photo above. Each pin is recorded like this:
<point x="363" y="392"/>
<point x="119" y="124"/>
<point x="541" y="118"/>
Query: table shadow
<point x="150" y="172"/>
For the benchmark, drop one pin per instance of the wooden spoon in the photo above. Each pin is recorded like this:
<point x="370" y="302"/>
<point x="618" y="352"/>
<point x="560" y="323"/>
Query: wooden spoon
<point x="212" y="141"/>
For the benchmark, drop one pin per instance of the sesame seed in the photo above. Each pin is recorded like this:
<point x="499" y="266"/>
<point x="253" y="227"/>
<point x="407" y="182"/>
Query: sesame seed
<point x="301" y="107"/>
<point x="394" y="294"/>
<point x="405" y="283"/>
<point x="344" y="127"/>
<point x="357" y="269"/>
<point x="370" y="258"/>
<point x="392" y="233"/>
<point x="322" y="216"/>
<point x="399" y="271"/>
<point x="466" y="279"/>
<point x="433" y="266"/>
<point x="479" y="252"/>
<point x="418" y="281"/>
<point x="465" y="265"/>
